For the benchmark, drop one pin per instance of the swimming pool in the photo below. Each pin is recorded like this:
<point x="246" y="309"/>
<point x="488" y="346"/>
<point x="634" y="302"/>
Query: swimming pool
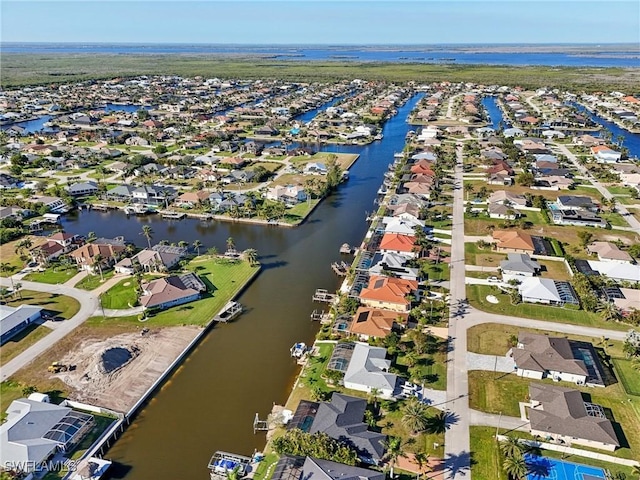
<point x="544" y="468"/>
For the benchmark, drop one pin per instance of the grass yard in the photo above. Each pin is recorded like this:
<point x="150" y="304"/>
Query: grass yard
<point x="477" y="296"/>
<point x="23" y="340"/>
<point x="121" y="295"/>
<point x="54" y="274"/>
<point x="628" y="375"/>
<point x="619" y="190"/>
<point x="486" y="257"/>
<point x="495" y="393"/>
<point x="269" y="166"/>
<point x="11" y="258"/>
<point x="615" y="219"/>
<point x="57" y="305"/>
<point x="555" y="270"/>
<point x="91" y="282"/>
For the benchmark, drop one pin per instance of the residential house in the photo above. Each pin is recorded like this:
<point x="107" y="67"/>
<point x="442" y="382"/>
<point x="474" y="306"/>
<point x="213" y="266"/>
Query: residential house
<point x="369" y="369"/>
<point x="397" y="243"/>
<point x="159" y="258"/>
<point x="625" y="299"/>
<point x="15" y="319"/>
<point x="578" y="218"/>
<point x="546" y="291"/>
<point x="56" y="245"/>
<point x="375" y="323"/>
<point x="153" y="195"/>
<point x="502" y="211"/>
<point x="171" y="291"/>
<point x="389" y="293"/>
<point x="238" y="176"/>
<point x="609" y="252"/>
<point x="54" y="204"/>
<point x="306" y="468"/>
<point x="34" y="431"/>
<point x="507" y="198"/>
<point x="192" y="199"/>
<point x="541" y="356"/>
<point x="605" y="154"/>
<point x="289" y="194"/>
<point x="618" y="271"/>
<point x="562" y="415"/>
<point x="500" y="173"/>
<point x="315" y="168"/>
<point x="342" y="419"/>
<point x="519" y="265"/>
<point x="7" y="181"/>
<point x="82" y="188"/>
<point x="576" y="202"/>
<point x="402" y="225"/>
<point x="393" y="264"/>
<point x="109" y="250"/>
<point x="513" y="241"/>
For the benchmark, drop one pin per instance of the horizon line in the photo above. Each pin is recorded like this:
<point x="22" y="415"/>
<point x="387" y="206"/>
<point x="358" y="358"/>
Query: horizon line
<point x="365" y="44"/>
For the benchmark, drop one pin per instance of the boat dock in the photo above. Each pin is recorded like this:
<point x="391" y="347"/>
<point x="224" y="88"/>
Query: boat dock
<point x="340" y="268"/>
<point x="222" y="464"/>
<point x="229" y="312"/>
<point x="323" y="317"/>
<point x="101" y="207"/>
<point x="49" y="219"/>
<point x="322" y="295"/>
<point x="346" y="249"/>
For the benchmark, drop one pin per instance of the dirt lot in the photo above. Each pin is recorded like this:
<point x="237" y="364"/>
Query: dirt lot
<point x="120" y="388"/>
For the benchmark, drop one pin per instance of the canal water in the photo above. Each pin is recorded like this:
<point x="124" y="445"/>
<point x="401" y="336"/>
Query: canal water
<point x="242" y="368"/>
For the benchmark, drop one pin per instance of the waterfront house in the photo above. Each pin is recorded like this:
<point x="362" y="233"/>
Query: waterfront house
<point x="513" y="241"/>
<point x="369" y="369"/>
<point x="56" y="245"/>
<point x="34" y="431"/>
<point x="315" y="168"/>
<point x="159" y="258"/>
<point x="562" y="415"/>
<point x="82" y="188"/>
<point x="306" y="468"/>
<point x="153" y="195"/>
<point x="397" y="243"/>
<point x="604" y="154"/>
<point x="402" y="225"/>
<point x="342" y="419"/>
<point x="53" y="204"/>
<point x="289" y="194"/>
<point x="519" y="265"/>
<point x="107" y="249"/>
<point x="192" y="199"/>
<point x="393" y="264"/>
<point x="15" y="319"/>
<point x="618" y="271"/>
<point x="171" y="291"/>
<point x="121" y="193"/>
<point x="389" y="293"/>
<point x="376" y="323"/>
<point x="541" y="356"/>
<point x="546" y="291"/>
<point x="609" y="252"/>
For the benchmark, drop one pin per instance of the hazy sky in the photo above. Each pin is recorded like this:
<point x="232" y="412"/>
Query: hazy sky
<point x="321" y="22"/>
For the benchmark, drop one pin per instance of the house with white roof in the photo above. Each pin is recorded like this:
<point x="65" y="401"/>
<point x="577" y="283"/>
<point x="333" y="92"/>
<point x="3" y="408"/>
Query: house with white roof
<point x="620" y="272"/>
<point x="546" y="291"/>
<point x="369" y="369"/>
<point x="15" y="319"/>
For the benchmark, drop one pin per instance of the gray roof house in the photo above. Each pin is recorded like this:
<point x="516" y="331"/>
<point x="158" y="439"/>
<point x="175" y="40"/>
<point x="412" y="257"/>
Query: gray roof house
<point x="576" y="202"/>
<point x="519" y="264"/>
<point x="369" y="369"/>
<point x="342" y="419"/>
<point x="308" y="468"/>
<point x="395" y="263"/>
<point x="35" y="430"/>
<point x="82" y="188"/>
<point x="15" y="319"/>
<point x="540" y="356"/>
<point x="561" y="414"/>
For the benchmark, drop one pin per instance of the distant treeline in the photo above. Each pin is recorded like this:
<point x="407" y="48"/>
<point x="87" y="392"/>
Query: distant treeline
<point x="37" y="69"/>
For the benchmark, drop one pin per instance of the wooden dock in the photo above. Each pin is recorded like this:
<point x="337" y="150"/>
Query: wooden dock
<point x="323" y="317"/>
<point x="171" y="215"/>
<point x="322" y="295"/>
<point x="340" y="268"/>
<point x="100" y="207"/>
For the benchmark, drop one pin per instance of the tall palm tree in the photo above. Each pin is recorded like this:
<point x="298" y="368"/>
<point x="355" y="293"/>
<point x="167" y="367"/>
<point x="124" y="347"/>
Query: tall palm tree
<point x="91" y="237"/>
<point x="468" y="188"/>
<point x="511" y="447"/>
<point x="251" y="254"/>
<point x="183" y="244"/>
<point x="515" y="467"/>
<point x="231" y="245"/>
<point x="609" y="311"/>
<point x="147" y="232"/>
<point x="97" y="262"/>
<point x="17" y="289"/>
<point x="395" y="449"/>
<point x="415" y="416"/>
<point x="197" y="244"/>
<point x="422" y="459"/>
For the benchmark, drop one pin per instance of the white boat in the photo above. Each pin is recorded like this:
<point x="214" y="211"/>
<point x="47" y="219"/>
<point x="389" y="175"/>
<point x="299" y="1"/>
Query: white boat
<point x="298" y="350"/>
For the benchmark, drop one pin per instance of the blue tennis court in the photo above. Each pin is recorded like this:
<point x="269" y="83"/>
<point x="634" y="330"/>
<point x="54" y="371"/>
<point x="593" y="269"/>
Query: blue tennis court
<point x="544" y="468"/>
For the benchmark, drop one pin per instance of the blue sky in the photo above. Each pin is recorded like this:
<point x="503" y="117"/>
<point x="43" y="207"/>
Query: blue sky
<point x="321" y="22"/>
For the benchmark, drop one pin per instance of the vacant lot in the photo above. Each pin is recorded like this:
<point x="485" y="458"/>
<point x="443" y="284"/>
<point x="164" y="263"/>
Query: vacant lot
<point x="23" y="340"/>
<point x="11" y="258"/>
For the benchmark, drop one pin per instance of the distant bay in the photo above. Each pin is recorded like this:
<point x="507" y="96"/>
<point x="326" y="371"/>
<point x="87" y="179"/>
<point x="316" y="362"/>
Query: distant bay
<point x="625" y="56"/>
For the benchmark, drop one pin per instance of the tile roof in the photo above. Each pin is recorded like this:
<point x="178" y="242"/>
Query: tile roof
<point x="389" y="289"/>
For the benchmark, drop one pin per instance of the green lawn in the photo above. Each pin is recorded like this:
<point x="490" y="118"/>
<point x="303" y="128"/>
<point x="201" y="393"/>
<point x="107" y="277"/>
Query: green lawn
<point x="265" y="466"/>
<point x="299" y="212"/>
<point x="23" y="340"/>
<point x="615" y="219"/>
<point x="619" y="190"/>
<point x="91" y="282"/>
<point x="224" y="279"/>
<point x="477" y="296"/>
<point x="54" y="274"/>
<point x="628" y="375"/>
<point x="58" y="305"/>
<point x="497" y="392"/>
<point x="121" y="295"/>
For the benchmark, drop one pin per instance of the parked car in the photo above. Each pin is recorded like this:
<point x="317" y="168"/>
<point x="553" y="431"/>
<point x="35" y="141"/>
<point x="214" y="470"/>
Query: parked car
<point x="494" y="279"/>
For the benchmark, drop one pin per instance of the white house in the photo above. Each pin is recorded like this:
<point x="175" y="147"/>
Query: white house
<point x="546" y="291"/>
<point x="369" y="369"/>
<point x="620" y="272"/>
<point x="605" y="154"/>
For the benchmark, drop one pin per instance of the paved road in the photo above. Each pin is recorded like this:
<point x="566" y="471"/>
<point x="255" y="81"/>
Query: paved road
<point x="457" y="442"/>
<point x="633" y="222"/>
<point x="89" y="306"/>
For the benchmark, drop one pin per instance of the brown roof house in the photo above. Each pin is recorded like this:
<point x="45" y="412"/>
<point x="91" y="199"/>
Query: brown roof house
<point x="513" y="241"/>
<point x="108" y="250"/>
<point x="171" y="291"/>
<point x="376" y="323"/>
<point x="389" y="293"/>
<point x="561" y="414"/>
<point x="609" y="252"/>
<point x="540" y="356"/>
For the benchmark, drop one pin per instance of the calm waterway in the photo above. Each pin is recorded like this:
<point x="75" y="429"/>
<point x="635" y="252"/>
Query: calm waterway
<point x="243" y="367"/>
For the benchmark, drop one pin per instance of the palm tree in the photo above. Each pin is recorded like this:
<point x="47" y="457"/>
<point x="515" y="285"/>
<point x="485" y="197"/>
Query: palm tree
<point x="609" y="311"/>
<point x="251" y="255"/>
<point x="373" y="396"/>
<point x="415" y="416"/>
<point x="515" y="467"/>
<point x="16" y="289"/>
<point x="395" y="449"/>
<point x="197" y="244"/>
<point x="183" y="244"/>
<point x="422" y="459"/>
<point x="511" y="447"/>
<point x="468" y="188"/>
<point x="97" y="261"/>
<point x="147" y="232"/>
<point x="91" y="237"/>
<point x="231" y="246"/>
<point x="213" y="251"/>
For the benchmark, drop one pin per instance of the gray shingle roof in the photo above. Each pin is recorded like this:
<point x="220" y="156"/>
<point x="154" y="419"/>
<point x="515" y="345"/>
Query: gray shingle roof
<point x="543" y="353"/>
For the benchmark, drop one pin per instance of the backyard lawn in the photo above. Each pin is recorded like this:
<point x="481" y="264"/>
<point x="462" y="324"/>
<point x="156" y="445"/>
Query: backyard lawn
<point x="473" y="255"/>
<point x="55" y="304"/>
<point x="122" y="295"/>
<point x="23" y="340"/>
<point x="91" y="282"/>
<point x="477" y="295"/>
